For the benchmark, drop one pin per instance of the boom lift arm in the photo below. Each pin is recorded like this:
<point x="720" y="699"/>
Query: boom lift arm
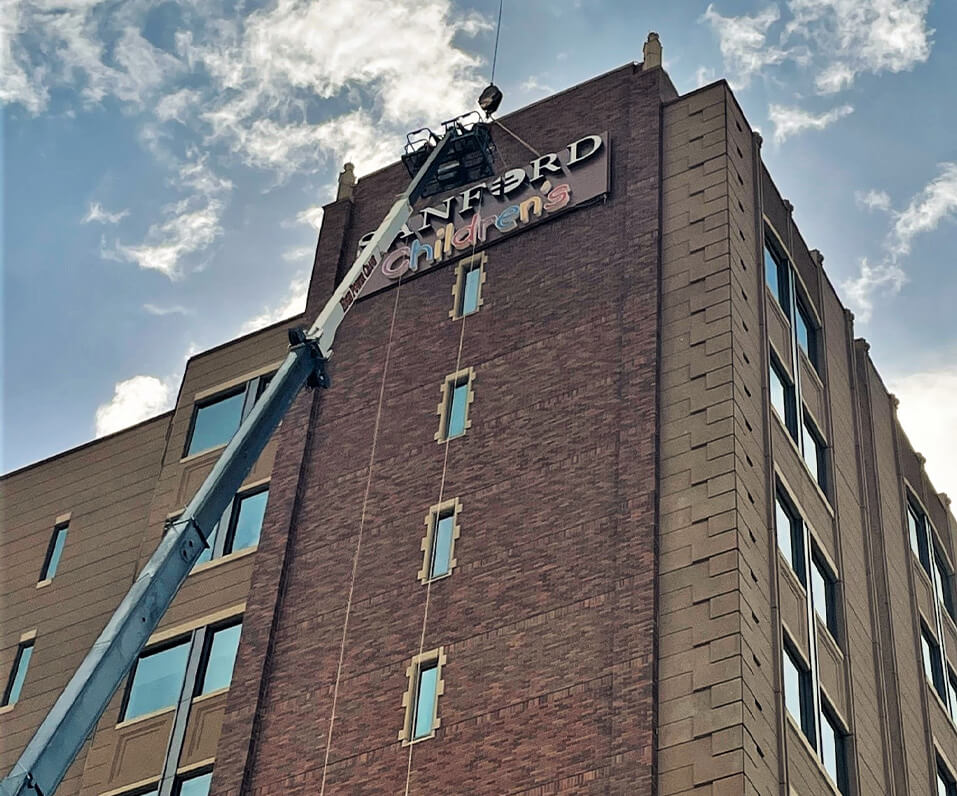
<point x="57" y="741"/>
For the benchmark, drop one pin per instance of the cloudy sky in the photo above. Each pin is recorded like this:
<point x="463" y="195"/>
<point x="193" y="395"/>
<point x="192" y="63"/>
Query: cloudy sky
<point x="165" y="164"/>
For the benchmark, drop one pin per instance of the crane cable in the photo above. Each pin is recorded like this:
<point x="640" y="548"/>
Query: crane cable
<point x="498" y="30"/>
<point x="358" y="548"/>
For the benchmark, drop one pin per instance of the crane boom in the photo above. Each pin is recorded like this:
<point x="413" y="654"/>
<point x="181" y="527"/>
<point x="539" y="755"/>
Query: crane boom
<point x="53" y="747"/>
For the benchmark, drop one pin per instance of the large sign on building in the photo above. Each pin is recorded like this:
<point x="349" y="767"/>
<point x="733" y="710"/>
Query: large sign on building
<point x="488" y="211"/>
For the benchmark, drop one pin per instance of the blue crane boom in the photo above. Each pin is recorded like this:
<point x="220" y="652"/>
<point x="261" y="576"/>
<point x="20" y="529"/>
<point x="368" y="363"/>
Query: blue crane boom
<point x="58" y="739"/>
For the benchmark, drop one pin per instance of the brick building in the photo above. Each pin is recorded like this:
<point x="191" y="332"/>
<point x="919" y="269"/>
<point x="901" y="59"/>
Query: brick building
<point x="605" y="498"/>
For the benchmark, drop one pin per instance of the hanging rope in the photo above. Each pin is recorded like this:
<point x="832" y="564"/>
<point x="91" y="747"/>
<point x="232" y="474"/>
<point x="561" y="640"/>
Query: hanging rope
<point x="428" y="583"/>
<point x="522" y="141"/>
<point x="498" y="29"/>
<point x="355" y="556"/>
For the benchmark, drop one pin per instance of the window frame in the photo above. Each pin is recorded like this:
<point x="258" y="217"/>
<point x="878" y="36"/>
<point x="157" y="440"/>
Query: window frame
<point x="60" y="530"/>
<point x="463" y="268"/>
<point x="839" y="733"/>
<point x="776" y="370"/>
<point x="946" y="778"/>
<point x="935" y="679"/>
<point x="163" y="646"/>
<point x="233" y="513"/>
<point x="448" y="508"/>
<point x="796" y="556"/>
<point x="918" y="533"/>
<point x="806" y="722"/>
<point x="809" y="432"/>
<point x="209" y="637"/>
<point x="807" y="319"/>
<point x="943" y="582"/>
<point x="251" y="389"/>
<point x="186" y="776"/>
<point x="466" y="377"/>
<point x="14" y="673"/>
<point x="426" y="660"/>
<point x="829" y="618"/>
<point x="782" y="277"/>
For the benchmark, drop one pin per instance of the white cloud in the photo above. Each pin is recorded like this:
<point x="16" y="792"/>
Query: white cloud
<point x="98" y="214"/>
<point x="928" y="413"/>
<point x="175" y="309"/>
<point x="191" y="225"/>
<point x="311" y="216"/>
<point x="873" y="200"/>
<point x="859" y="292"/>
<point x="838" y="39"/>
<point x="133" y="400"/>
<point x="293" y="303"/>
<point x="534" y="86"/>
<point x="301" y="253"/>
<point x="937" y="201"/>
<point x="744" y="42"/>
<point x="789" y="121"/>
<point x="174" y="106"/>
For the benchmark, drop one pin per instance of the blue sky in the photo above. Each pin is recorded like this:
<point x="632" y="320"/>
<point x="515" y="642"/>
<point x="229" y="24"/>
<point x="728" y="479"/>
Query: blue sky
<point x="164" y="166"/>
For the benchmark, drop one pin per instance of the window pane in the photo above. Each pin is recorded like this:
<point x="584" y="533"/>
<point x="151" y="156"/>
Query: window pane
<point x="771" y="272"/>
<point x="55" y="552"/>
<point x="822" y="593"/>
<point x="18" y="673"/>
<point x="790" y="534"/>
<point x="425" y="700"/>
<point x="216" y="422"/>
<point x="195" y="786"/>
<point x="782" y="397"/>
<point x="918" y="533"/>
<point x="442" y="546"/>
<point x="783" y="522"/>
<point x="778" y="394"/>
<point x="471" y="294"/>
<point x="942" y="584"/>
<point x="792" y="688"/>
<point x="806" y="333"/>
<point x="157" y="680"/>
<point x="952" y="696"/>
<point x="814" y="454"/>
<point x="222" y="657"/>
<point x="933" y="669"/>
<point x="831" y="749"/>
<point x="249" y="520"/>
<point x="207" y="554"/>
<point x="460" y="395"/>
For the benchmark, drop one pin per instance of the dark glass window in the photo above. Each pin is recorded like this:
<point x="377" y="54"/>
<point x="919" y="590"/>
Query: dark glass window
<point x="797" y="693"/>
<point x="246" y="521"/>
<point x="832" y="749"/>
<point x="776" y="275"/>
<point x="18" y="673"/>
<point x="54" y="551"/>
<point x="815" y="454"/>
<point x="952" y="694"/>
<point x="215" y="421"/>
<point x="945" y="782"/>
<point x="193" y="784"/>
<point x="457" y="409"/>
<point x="219" y="658"/>
<point x="806" y="332"/>
<point x="790" y="532"/>
<point x="782" y="397"/>
<point x="917" y="527"/>
<point x="157" y="679"/>
<point x="942" y="584"/>
<point x="933" y="668"/>
<point x="823" y="593"/>
<point x="441" y="558"/>
<point x="425" y="699"/>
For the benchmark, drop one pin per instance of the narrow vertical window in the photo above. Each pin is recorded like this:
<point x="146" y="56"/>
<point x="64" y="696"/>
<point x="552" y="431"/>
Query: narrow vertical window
<point x="467" y="291"/>
<point x="776" y="275"/>
<point x="246" y="521"/>
<point x="11" y="694"/>
<point x="219" y="657"/>
<point x="917" y="529"/>
<point x="438" y="546"/>
<point x="815" y="456"/>
<point x="946" y="786"/>
<point x="832" y="749"/>
<point x="54" y="551"/>
<point x="797" y="693"/>
<point x="952" y="694"/>
<point x="943" y="585"/>
<point x="823" y="594"/>
<point x="453" y="410"/>
<point x="806" y="332"/>
<point x="790" y="533"/>
<point x="933" y="669"/>
<point x="421" y="700"/>
<point x="782" y="397"/>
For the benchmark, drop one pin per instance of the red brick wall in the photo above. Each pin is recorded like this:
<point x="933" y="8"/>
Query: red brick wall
<point x="548" y="619"/>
